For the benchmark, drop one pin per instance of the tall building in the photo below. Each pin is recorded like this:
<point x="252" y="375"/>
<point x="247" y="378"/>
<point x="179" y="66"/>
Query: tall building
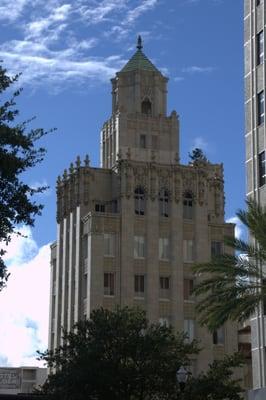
<point x="254" y="43"/>
<point x="129" y="232"/>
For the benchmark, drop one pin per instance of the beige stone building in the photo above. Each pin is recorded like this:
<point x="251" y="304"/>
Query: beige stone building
<point x="129" y="232"/>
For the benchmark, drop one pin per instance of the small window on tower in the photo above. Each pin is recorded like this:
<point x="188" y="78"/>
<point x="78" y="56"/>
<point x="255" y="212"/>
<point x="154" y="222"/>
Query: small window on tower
<point x="146" y="107"/>
<point x="142" y="141"/>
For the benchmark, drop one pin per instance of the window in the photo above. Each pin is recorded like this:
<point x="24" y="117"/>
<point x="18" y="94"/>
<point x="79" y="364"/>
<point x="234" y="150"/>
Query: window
<point x="142" y="141"/>
<point x="100" y="208"/>
<point x="139" y="247"/>
<point x="188" y="288"/>
<point x="164" y="249"/>
<point x="164" y="287"/>
<point x="189" y="329"/>
<point x="109" y="284"/>
<point x="109" y="244"/>
<point x="164" y="203"/>
<point x="260" y="107"/>
<point x="146" y="106"/>
<point x="262" y="169"/>
<point x="188" y="206"/>
<point x="139" y="201"/>
<point x="188" y="250"/>
<point x="218" y="336"/>
<point x="216" y="248"/>
<point x="260" y="47"/>
<point x="139" y="285"/>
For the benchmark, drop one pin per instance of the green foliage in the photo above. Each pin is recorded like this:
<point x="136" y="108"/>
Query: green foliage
<point x="217" y="383"/>
<point x="232" y="286"/>
<point x="197" y="156"/>
<point x="117" y="355"/>
<point x="17" y="154"/>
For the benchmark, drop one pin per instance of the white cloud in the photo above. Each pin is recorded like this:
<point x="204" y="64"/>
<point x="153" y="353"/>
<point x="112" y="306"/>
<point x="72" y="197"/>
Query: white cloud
<point x="51" y="51"/>
<point x="11" y="10"/>
<point x="194" y="69"/>
<point x="178" y="78"/>
<point x="239" y="228"/>
<point x="24" y="303"/>
<point x="136" y="12"/>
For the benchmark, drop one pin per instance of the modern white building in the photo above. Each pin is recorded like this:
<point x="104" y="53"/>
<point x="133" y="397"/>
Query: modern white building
<point x="254" y="45"/>
<point x="21" y="379"/>
<point x="129" y="232"/>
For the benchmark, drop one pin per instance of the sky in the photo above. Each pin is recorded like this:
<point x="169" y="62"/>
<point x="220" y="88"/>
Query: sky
<point x="66" y="52"/>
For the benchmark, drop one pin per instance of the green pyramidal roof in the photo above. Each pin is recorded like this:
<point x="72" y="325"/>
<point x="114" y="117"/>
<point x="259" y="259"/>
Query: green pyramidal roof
<point x="139" y="62"/>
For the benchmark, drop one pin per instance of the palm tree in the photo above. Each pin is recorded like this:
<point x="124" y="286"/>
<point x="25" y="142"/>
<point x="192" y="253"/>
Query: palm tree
<point x="234" y="286"/>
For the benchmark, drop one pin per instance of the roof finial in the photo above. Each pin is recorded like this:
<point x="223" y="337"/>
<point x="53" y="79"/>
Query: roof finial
<point x="139" y="43"/>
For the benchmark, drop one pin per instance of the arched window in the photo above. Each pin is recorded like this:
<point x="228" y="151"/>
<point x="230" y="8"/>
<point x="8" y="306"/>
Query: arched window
<point x="188" y="206"/>
<point x="146" y="106"/>
<point x="164" y="203"/>
<point x="139" y="201"/>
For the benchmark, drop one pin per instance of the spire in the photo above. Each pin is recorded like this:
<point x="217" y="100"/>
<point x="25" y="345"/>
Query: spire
<point x="139" y="61"/>
<point x="139" y="43"/>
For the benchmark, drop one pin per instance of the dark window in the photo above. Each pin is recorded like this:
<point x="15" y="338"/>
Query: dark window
<point x="260" y="107"/>
<point x="139" y="201"/>
<point x="164" y="287"/>
<point x="260" y="47"/>
<point x="164" y="203"/>
<point x="109" y="284"/>
<point x="216" y="248"/>
<point x="164" y="282"/>
<point x="218" y="336"/>
<point x="99" y="207"/>
<point x="188" y="206"/>
<point x="188" y="288"/>
<point x="262" y="169"/>
<point x="139" y="284"/>
<point x="142" y="141"/>
<point x="258" y="2"/>
<point x="146" y="107"/>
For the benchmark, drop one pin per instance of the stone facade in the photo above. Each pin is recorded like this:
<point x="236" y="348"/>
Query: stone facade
<point x="129" y="232"/>
<point x="254" y="44"/>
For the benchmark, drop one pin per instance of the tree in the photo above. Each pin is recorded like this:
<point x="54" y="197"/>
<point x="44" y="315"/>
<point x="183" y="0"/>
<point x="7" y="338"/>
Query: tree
<point x="117" y="355"/>
<point x="17" y="154"/>
<point x="197" y="156"/>
<point x="217" y="383"/>
<point x="233" y="286"/>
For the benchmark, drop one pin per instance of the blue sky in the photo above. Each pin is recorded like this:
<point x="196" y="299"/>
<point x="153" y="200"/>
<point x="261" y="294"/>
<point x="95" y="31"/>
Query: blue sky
<point x="67" y="52"/>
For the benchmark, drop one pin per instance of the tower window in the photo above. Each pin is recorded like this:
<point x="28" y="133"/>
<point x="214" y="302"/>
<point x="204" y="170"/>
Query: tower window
<point x="109" y="284"/>
<point x="139" y="247"/>
<point x="139" y="285"/>
<point x="260" y="47"/>
<point x="260" y="107"/>
<point x="218" y="336"/>
<point x="188" y="206"/>
<point x="216" y="248"/>
<point x="146" y="107"/>
<point x="164" y="203"/>
<point x="142" y="141"/>
<point x="262" y="169"/>
<point x="139" y="201"/>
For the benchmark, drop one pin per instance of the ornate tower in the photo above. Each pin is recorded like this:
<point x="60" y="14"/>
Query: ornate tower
<point x="139" y="124"/>
<point x="130" y="231"/>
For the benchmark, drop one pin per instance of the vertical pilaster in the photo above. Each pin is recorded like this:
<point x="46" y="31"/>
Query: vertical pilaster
<point x="77" y="268"/>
